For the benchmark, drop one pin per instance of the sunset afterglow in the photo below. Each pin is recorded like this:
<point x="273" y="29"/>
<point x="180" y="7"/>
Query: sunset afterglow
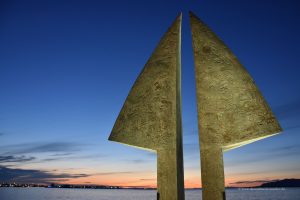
<point x="66" y="70"/>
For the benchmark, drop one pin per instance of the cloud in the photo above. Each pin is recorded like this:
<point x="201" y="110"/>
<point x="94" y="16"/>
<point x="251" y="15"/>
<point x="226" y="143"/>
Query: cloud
<point x="15" y="159"/>
<point x="268" y="154"/>
<point x="34" y="176"/>
<point x="138" y="161"/>
<point x="53" y="147"/>
<point x="61" y="154"/>
<point x="282" y="151"/>
<point x="71" y="156"/>
<point x="50" y="159"/>
<point x="148" y="179"/>
<point x="114" y="173"/>
<point x="57" y="151"/>
<point x="289" y="148"/>
<point x="251" y="182"/>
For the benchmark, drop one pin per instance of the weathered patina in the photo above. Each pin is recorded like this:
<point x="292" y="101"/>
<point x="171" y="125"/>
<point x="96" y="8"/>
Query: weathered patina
<point x="151" y="115"/>
<point x="231" y="110"/>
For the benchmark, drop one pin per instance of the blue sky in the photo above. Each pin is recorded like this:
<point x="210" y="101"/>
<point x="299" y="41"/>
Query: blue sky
<point x="66" y="68"/>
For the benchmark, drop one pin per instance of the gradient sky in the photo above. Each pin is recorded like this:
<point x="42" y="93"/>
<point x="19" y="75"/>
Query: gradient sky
<point x="66" y="68"/>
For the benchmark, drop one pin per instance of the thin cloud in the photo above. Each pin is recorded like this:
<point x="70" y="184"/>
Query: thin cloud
<point x="61" y="154"/>
<point x="148" y="179"/>
<point x="15" y="159"/>
<point x="50" y="159"/>
<point x="114" y="173"/>
<point x="138" y="161"/>
<point x="34" y="176"/>
<point x="251" y="182"/>
<point x="53" y="147"/>
<point x="288" y="148"/>
<point x="71" y="156"/>
<point x="85" y="157"/>
<point x="273" y="153"/>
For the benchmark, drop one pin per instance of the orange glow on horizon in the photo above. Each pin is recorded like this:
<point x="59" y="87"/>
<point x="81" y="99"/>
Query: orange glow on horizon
<point x="130" y="180"/>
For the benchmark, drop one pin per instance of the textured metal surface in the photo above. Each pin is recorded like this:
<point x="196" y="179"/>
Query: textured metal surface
<point x="151" y="115"/>
<point x="231" y="110"/>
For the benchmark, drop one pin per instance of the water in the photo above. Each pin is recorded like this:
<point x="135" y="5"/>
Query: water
<point x="127" y="194"/>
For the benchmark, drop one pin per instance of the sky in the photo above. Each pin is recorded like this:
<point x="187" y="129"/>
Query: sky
<point x="66" y="68"/>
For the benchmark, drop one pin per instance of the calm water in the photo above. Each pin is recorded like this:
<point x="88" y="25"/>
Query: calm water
<point x="91" y="194"/>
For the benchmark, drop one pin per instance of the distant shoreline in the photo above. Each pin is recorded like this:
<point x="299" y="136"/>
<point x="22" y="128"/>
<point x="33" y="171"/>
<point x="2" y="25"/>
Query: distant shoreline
<point x="285" y="183"/>
<point x="227" y="188"/>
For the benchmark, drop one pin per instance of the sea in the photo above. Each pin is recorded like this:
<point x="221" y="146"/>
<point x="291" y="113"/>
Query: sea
<point x="133" y="194"/>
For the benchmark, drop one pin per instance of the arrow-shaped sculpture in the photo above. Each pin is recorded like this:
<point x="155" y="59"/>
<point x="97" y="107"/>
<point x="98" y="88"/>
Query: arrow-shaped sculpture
<point x="151" y="115"/>
<point x="231" y="110"/>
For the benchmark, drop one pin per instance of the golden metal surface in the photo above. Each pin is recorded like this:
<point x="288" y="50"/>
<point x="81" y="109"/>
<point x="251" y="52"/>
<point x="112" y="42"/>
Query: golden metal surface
<point x="231" y="110"/>
<point x="151" y="115"/>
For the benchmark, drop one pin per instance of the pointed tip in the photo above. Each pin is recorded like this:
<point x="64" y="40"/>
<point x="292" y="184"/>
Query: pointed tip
<point x="191" y="14"/>
<point x="110" y="138"/>
<point x="280" y="128"/>
<point x="128" y="129"/>
<point x="203" y="37"/>
<point x="194" y="19"/>
<point x="177" y="22"/>
<point x="179" y="17"/>
<point x="180" y="20"/>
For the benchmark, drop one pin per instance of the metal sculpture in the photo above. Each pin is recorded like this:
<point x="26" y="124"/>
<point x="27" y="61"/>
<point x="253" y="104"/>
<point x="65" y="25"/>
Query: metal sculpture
<point x="231" y="110"/>
<point x="151" y="115"/>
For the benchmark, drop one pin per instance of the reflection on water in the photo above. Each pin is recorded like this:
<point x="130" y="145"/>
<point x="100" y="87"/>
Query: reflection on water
<point x="126" y="194"/>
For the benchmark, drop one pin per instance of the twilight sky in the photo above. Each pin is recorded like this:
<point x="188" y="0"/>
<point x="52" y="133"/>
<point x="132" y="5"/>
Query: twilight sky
<point x="66" y="68"/>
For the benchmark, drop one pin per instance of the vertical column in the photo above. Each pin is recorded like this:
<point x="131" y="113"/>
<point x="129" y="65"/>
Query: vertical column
<point x="169" y="177"/>
<point x="212" y="173"/>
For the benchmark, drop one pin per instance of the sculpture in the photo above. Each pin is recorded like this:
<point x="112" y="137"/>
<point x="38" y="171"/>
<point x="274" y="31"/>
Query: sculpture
<point x="231" y="110"/>
<point x="151" y="115"/>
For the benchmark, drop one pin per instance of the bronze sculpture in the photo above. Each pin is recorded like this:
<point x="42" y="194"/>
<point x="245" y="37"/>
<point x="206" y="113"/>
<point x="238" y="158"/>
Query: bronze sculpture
<point x="231" y="110"/>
